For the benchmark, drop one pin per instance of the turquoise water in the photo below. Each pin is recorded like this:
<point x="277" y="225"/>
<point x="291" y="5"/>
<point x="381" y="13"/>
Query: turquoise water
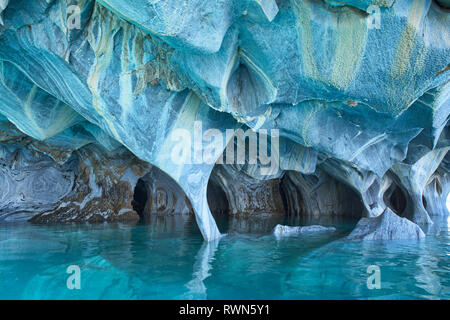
<point x="119" y="261"/>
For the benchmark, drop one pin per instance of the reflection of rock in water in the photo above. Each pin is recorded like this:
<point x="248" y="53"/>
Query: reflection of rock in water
<point x="202" y="270"/>
<point x="177" y="224"/>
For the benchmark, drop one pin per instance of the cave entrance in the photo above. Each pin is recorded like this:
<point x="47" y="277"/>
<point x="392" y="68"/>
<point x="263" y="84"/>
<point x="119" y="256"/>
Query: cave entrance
<point x="292" y="201"/>
<point x="140" y="198"/>
<point x="218" y="204"/>
<point x="318" y="198"/>
<point x="395" y="199"/>
<point x="241" y="203"/>
<point x="163" y="205"/>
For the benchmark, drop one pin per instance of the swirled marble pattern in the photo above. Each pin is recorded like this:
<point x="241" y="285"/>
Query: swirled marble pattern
<point x="367" y="104"/>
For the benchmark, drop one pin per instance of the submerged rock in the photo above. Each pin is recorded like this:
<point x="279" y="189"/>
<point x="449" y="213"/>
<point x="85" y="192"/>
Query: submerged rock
<point x="387" y="226"/>
<point x="282" y="231"/>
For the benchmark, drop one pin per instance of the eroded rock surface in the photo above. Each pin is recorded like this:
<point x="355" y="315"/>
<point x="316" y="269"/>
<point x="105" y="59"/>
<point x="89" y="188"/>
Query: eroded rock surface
<point x="283" y="231"/>
<point x="387" y="226"/>
<point x="359" y="92"/>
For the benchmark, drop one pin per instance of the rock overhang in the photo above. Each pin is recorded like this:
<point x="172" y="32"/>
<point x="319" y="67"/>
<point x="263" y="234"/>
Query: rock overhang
<point x="365" y="98"/>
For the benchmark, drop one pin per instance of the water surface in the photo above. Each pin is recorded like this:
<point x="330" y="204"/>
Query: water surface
<point x="119" y="261"/>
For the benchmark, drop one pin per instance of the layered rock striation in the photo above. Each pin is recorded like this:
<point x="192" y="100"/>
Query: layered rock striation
<point x="97" y="95"/>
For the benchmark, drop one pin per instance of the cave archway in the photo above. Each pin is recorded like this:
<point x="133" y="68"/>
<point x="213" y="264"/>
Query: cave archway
<point x="140" y="198"/>
<point x="161" y="203"/>
<point x="218" y="204"/>
<point x="318" y="198"/>
<point x="443" y="4"/>
<point x="396" y="199"/>
<point x="293" y="202"/>
<point x="241" y="203"/>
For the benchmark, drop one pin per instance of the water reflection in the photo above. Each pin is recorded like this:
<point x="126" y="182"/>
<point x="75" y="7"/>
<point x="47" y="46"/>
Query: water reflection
<point x="170" y="260"/>
<point x="202" y="268"/>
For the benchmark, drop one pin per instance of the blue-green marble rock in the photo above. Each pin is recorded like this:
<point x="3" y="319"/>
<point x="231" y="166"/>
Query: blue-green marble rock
<point x="367" y="103"/>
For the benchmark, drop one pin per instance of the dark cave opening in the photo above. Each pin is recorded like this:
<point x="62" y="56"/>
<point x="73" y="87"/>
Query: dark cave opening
<point x="241" y="203"/>
<point x="162" y="205"/>
<point x="424" y="200"/>
<point x="318" y="198"/>
<point x="156" y="194"/>
<point x="395" y="199"/>
<point x="218" y="204"/>
<point x="140" y="198"/>
<point x="292" y="198"/>
<point x="443" y="4"/>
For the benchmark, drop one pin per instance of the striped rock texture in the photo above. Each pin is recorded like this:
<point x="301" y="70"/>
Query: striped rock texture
<point x="93" y="92"/>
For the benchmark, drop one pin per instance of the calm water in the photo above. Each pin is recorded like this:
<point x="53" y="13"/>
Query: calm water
<point x="162" y="262"/>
